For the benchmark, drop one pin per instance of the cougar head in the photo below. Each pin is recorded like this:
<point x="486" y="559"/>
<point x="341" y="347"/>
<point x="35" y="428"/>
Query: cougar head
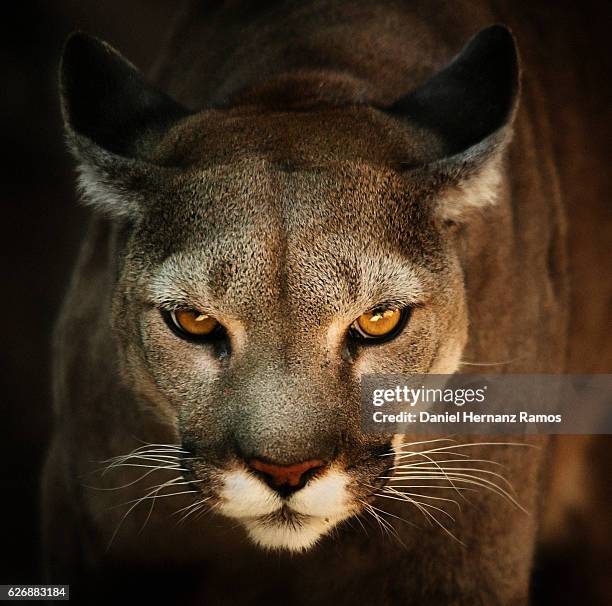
<point x="276" y="254"/>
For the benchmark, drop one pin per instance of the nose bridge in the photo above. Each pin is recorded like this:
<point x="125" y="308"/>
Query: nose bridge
<point x="287" y="336"/>
<point x="292" y="405"/>
<point x="284" y="416"/>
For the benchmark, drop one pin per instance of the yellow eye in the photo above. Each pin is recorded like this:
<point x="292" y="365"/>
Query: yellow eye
<point x="193" y="322"/>
<point x="378" y="323"/>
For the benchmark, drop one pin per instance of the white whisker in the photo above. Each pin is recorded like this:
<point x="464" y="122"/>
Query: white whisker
<point x="453" y="470"/>
<point x="488" y="461"/>
<point x="151" y="494"/>
<point x="406" y="494"/>
<point x="429" y="516"/>
<point x="466" y="479"/>
<point x="191" y="509"/>
<point x="426" y="496"/>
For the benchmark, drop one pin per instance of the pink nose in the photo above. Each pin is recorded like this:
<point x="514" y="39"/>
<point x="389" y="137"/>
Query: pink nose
<point x="287" y="478"/>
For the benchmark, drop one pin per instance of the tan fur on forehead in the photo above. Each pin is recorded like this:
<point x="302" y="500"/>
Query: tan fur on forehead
<point x="341" y="198"/>
<point x="326" y="241"/>
<point x="298" y="138"/>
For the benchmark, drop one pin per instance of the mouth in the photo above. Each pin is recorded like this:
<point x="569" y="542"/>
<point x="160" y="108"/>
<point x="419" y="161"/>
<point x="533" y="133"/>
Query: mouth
<point x="299" y="518"/>
<point x="293" y="523"/>
<point x="300" y="522"/>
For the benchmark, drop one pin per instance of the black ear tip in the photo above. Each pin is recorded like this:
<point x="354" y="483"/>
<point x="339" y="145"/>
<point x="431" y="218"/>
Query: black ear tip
<point x="493" y="51"/>
<point x="498" y="31"/>
<point x="83" y="52"/>
<point x="81" y="49"/>
<point x="474" y="95"/>
<point x="77" y="53"/>
<point x="89" y="71"/>
<point x="79" y="39"/>
<point x="78" y="44"/>
<point x="499" y="43"/>
<point x="496" y="38"/>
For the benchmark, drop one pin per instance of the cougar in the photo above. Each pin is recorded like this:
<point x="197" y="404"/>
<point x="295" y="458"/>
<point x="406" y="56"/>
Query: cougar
<point x="302" y="194"/>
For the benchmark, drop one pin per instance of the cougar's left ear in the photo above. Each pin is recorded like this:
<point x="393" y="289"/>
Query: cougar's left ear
<point x="112" y="116"/>
<point x="470" y="104"/>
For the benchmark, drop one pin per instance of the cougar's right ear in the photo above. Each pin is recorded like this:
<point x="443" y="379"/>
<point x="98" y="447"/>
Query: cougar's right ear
<point x="112" y="116"/>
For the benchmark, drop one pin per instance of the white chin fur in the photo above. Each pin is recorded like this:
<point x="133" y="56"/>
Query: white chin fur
<point x="299" y="536"/>
<point x="320" y="505"/>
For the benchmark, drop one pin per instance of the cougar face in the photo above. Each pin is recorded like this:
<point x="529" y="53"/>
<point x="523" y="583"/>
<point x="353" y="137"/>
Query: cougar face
<point x="274" y="257"/>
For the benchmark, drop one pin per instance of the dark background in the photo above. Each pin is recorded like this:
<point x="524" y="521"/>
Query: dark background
<point x="41" y="228"/>
<point x="42" y="224"/>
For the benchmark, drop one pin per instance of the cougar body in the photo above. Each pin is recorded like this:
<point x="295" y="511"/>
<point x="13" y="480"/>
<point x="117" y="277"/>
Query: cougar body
<point x="305" y="163"/>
